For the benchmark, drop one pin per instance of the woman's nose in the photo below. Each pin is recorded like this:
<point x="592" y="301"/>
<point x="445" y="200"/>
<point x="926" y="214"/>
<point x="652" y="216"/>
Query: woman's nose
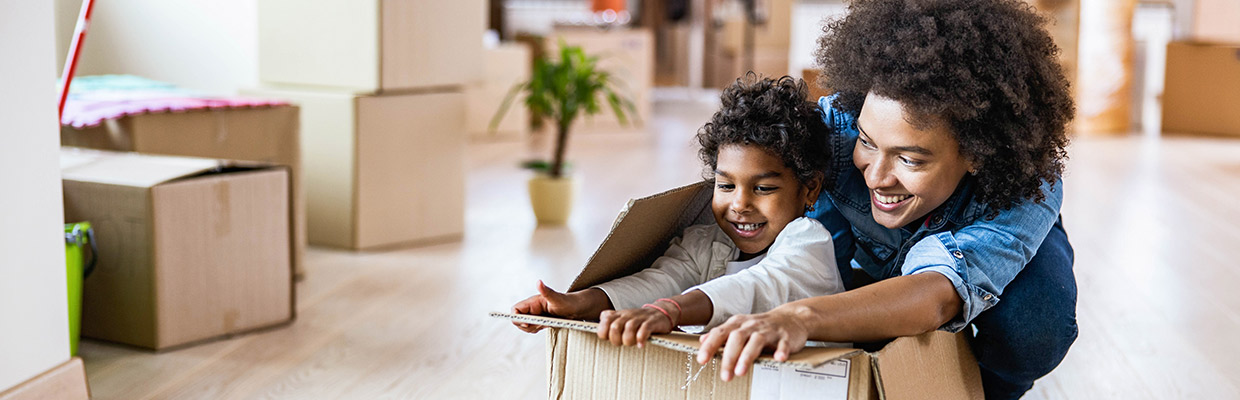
<point x="878" y="174"/>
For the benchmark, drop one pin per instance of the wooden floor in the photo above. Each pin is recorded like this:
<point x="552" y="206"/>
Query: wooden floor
<point x="1154" y="222"/>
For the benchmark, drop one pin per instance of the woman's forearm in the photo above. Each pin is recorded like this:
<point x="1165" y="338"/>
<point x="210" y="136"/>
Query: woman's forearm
<point x="900" y="306"/>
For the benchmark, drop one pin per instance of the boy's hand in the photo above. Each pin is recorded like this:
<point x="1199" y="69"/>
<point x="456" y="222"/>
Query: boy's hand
<point x="550" y="302"/>
<point x="633" y="326"/>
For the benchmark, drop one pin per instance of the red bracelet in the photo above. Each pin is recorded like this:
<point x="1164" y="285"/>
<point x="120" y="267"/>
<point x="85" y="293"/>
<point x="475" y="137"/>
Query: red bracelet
<point x="669" y="316"/>
<point x="678" y="309"/>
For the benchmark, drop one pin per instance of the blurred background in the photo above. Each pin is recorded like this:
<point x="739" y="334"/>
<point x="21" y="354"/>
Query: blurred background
<point x="292" y="199"/>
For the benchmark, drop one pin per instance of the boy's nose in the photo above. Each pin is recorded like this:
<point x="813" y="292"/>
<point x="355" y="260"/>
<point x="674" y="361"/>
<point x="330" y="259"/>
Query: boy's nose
<point x="741" y="203"/>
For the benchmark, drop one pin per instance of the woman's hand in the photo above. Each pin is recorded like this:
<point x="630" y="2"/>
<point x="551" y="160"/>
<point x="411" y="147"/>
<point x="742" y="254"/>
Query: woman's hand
<point x="744" y="337"/>
<point x="634" y="326"/>
<point x="581" y="304"/>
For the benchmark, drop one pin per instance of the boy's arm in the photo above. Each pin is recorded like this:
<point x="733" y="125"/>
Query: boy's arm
<point x="683" y="265"/>
<point x="800" y="264"/>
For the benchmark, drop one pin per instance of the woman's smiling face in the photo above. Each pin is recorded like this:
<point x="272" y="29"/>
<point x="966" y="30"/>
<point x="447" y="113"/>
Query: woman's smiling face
<point x="909" y="171"/>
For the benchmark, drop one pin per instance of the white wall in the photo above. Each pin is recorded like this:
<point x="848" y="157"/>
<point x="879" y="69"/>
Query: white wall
<point x="208" y="46"/>
<point x="34" y="322"/>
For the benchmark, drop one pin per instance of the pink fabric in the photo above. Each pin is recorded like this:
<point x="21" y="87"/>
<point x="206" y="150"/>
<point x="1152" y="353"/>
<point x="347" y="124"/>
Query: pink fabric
<point x="98" y="102"/>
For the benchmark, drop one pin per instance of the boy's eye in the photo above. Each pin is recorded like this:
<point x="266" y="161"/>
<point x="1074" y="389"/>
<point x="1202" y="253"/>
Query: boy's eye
<point x="725" y="186"/>
<point x="909" y="162"/>
<point x="766" y="189"/>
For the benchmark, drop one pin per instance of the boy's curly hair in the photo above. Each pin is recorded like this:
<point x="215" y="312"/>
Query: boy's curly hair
<point x="776" y="115"/>
<point x="987" y="68"/>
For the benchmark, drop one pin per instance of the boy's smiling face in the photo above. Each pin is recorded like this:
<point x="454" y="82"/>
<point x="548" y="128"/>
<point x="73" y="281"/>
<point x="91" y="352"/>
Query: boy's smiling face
<point x="755" y="196"/>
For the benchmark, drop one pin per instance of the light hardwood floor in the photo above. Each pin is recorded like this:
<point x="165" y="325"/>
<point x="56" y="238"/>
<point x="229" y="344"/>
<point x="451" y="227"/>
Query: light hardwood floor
<point x="1154" y="223"/>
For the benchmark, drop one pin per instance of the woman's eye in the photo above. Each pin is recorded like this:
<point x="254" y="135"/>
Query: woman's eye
<point x="865" y="143"/>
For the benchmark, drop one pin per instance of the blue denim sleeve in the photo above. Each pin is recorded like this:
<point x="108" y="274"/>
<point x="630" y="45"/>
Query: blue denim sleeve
<point x="982" y="258"/>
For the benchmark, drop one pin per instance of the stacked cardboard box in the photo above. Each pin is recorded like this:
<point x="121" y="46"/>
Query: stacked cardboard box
<point x="935" y="365"/>
<point x="381" y="87"/>
<point x="189" y="248"/>
<point x="771" y="42"/>
<point x="262" y="134"/>
<point x="505" y="66"/>
<point x="1202" y="89"/>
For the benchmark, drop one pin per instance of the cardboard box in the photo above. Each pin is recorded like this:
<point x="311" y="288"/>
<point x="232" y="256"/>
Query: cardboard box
<point x="506" y="66"/>
<point x="260" y="134"/>
<point x="1202" y="89"/>
<point x="628" y="54"/>
<point x="935" y="365"/>
<point x="372" y="45"/>
<point x="381" y="170"/>
<point x="189" y="248"/>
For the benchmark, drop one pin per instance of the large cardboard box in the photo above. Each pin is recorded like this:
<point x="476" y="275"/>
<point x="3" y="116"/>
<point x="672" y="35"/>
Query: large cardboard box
<point x="935" y="365"/>
<point x="370" y="45"/>
<point x="189" y="248"/>
<point x="381" y="170"/>
<point x="1201" y="93"/>
<point x="263" y="134"/>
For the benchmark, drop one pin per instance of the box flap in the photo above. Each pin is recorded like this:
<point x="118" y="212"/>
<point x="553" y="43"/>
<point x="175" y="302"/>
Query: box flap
<point x="810" y="357"/>
<point x="933" y="365"/>
<point x="643" y="231"/>
<point x="129" y="169"/>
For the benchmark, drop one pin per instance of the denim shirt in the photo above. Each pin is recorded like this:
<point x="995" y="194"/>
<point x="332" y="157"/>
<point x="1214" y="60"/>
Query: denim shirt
<point x="979" y="255"/>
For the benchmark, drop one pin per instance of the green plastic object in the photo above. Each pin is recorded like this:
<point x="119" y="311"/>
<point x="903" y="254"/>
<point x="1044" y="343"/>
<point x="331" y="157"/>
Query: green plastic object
<point x="77" y="237"/>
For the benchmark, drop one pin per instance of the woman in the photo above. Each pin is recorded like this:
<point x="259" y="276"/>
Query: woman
<point x="954" y="112"/>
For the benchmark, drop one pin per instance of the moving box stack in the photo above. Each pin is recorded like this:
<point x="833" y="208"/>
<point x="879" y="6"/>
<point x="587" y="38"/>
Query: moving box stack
<point x="381" y="87"/>
<point x="129" y="113"/>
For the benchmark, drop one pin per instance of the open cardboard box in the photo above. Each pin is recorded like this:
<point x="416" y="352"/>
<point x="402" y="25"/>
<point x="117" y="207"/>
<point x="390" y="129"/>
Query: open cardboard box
<point x="190" y="249"/>
<point x="936" y="365"/>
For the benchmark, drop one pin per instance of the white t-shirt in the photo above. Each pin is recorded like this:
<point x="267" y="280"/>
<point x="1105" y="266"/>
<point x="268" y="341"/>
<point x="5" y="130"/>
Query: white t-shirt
<point x="799" y="264"/>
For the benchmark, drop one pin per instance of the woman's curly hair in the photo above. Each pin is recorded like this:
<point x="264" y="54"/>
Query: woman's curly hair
<point x="776" y="115"/>
<point x="987" y="68"/>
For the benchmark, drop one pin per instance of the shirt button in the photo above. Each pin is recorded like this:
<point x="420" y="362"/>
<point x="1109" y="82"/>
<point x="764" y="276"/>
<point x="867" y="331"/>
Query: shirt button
<point x="958" y="254"/>
<point x="988" y="297"/>
<point x="937" y="220"/>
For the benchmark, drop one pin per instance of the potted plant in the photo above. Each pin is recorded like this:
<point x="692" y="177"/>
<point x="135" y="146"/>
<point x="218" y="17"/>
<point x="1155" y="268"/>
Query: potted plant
<point x="559" y="90"/>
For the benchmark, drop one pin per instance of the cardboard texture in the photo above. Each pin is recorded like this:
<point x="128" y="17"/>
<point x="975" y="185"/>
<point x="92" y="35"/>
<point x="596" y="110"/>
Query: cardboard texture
<point x="189" y="248"/>
<point x="381" y="170"/>
<point x="373" y="45"/>
<point x="262" y="134"/>
<point x="937" y="364"/>
<point x="628" y="54"/>
<point x="1202" y="89"/>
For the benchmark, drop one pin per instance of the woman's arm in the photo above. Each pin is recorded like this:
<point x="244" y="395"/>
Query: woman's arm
<point x="901" y="306"/>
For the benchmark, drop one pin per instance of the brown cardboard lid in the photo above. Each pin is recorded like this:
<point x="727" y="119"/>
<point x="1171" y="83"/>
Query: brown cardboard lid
<point x="810" y="357"/>
<point x="129" y="169"/>
<point x="643" y="231"/>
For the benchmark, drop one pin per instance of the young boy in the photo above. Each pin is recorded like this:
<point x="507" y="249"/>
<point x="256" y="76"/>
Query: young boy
<point x="766" y="151"/>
